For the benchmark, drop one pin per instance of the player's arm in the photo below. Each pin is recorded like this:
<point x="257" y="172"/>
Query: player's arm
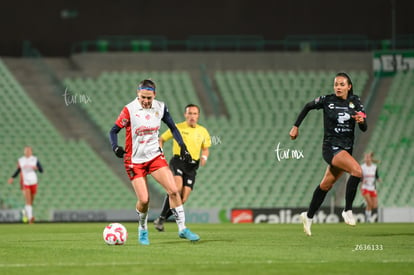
<point x="204" y="156"/>
<point x="360" y="115"/>
<point x="121" y="122"/>
<point x="39" y="167"/>
<point x="377" y="177"/>
<point x="204" y="148"/>
<point x="167" y="119"/>
<point x="17" y="172"/>
<point x="314" y="104"/>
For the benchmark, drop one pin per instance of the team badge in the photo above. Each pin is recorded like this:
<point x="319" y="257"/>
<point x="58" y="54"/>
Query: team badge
<point x="124" y="122"/>
<point x="351" y="105"/>
<point x="157" y="114"/>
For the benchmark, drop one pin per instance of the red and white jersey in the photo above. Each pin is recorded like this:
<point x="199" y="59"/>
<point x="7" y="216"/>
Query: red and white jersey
<point x="142" y="129"/>
<point x="28" y="166"/>
<point x="369" y="176"/>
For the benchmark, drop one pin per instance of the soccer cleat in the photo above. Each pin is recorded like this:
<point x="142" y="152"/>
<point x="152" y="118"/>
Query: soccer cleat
<point x="348" y="217"/>
<point x="24" y="217"/>
<point x="143" y="237"/>
<point x="306" y="223"/>
<point x="159" y="224"/>
<point x="187" y="234"/>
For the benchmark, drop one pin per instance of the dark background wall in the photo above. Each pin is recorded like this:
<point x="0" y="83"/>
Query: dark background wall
<point x="42" y="22"/>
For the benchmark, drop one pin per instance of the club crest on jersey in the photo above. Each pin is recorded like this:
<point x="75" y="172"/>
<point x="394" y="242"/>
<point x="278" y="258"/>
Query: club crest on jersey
<point x="157" y="114"/>
<point x="351" y="105"/>
<point x="124" y="122"/>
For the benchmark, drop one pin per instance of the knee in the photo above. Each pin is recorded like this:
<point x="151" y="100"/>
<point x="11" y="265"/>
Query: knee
<point x="356" y="171"/>
<point x="143" y="202"/>
<point x="325" y="186"/>
<point x="173" y="194"/>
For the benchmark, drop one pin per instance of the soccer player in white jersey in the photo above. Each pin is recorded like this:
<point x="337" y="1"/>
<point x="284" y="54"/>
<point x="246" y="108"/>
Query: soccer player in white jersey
<point x="142" y="156"/>
<point x="368" y="188"/>
<point x="27" y="165"/>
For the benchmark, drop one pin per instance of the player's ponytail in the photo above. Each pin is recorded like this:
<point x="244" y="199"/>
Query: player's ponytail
<point x="343" y="74"/>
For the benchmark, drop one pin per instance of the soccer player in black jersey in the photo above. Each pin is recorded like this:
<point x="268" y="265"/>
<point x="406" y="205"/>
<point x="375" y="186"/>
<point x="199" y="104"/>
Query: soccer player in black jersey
<point x="341" y="111"/>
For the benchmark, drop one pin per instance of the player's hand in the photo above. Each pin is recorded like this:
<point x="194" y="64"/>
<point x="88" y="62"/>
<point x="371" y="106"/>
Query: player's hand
<point x="294" y="132"/>
<point x="359" y="117"/>
<point x="119" y="151"/>
<point x="10" y="181"/>
<point x="185" y="155"/>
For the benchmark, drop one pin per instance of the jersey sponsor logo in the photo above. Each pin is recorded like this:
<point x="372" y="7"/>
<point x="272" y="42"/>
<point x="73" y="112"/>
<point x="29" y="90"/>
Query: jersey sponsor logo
<point x="342" y="117"/>
<point x="331" y="106"/>
<point x="147" y="117"/>
<point x="342" y="130"/>
<point x="145" y="130"/>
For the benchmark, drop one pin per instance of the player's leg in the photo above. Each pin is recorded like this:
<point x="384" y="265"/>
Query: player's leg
<point x="346" y="162"/>
<point x="368" y="208"/>
<point x="374" y="202"/>
<point x="28" y="203"/>
<point x="331" y="176"/>
<point x="166" y="209"/>
<point x="33" y="191"/>
<point x="141" y="190"/>
<point x="186" y="193"/>
<point x="165" y="177"/>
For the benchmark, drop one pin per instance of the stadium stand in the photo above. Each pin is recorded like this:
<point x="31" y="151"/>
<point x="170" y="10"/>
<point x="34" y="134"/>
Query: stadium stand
<point x="75" y="177"/>
<point x="392" y="143"/>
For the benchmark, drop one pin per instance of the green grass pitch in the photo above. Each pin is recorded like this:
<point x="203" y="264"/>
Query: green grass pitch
<point x="78" y="248"/>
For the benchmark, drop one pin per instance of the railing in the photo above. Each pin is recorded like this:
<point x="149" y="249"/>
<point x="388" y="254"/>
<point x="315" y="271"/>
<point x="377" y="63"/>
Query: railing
<point x="302" y="43"/>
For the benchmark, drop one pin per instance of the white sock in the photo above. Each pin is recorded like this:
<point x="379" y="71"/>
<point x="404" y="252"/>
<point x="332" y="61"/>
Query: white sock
<point x="368" y="214"/>
<point x="29" y="211"/>
<point x="179" y="217"/>
<point x="143" y="220"/>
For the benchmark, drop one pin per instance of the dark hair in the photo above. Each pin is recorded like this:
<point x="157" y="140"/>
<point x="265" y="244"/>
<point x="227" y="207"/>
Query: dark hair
<point x="191" y="105"/>
<point x="147" y="83"/>
<point x="343" y="74"/>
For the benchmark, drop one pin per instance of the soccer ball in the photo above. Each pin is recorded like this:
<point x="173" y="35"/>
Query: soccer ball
<point x="115" y="234"/>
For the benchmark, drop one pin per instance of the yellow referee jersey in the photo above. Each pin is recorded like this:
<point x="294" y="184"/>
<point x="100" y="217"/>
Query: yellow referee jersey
<point x="195" y="138"/>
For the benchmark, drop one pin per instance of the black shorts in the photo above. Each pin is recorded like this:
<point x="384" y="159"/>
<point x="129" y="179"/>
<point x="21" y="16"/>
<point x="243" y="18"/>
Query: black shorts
<point x="329" y="151"/>
<point x="187" y="171"/>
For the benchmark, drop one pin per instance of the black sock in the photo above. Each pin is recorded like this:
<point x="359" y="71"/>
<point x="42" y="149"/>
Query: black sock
<point x="169" y="214"/>
<point x="351" y="190"/>
<point x="317" y="200"/>
<point x="166" y="208"/>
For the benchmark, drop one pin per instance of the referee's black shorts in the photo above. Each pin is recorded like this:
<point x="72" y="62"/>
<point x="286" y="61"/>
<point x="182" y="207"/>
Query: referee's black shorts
<point x="329" y="151"/>
<point x="187" y="171"/>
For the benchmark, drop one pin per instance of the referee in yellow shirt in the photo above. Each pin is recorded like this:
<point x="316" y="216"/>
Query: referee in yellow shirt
<point x="197" y="139"/>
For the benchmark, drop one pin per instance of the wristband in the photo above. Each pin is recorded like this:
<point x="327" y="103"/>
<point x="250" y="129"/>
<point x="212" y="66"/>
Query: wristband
<point x="204" y="157"/>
